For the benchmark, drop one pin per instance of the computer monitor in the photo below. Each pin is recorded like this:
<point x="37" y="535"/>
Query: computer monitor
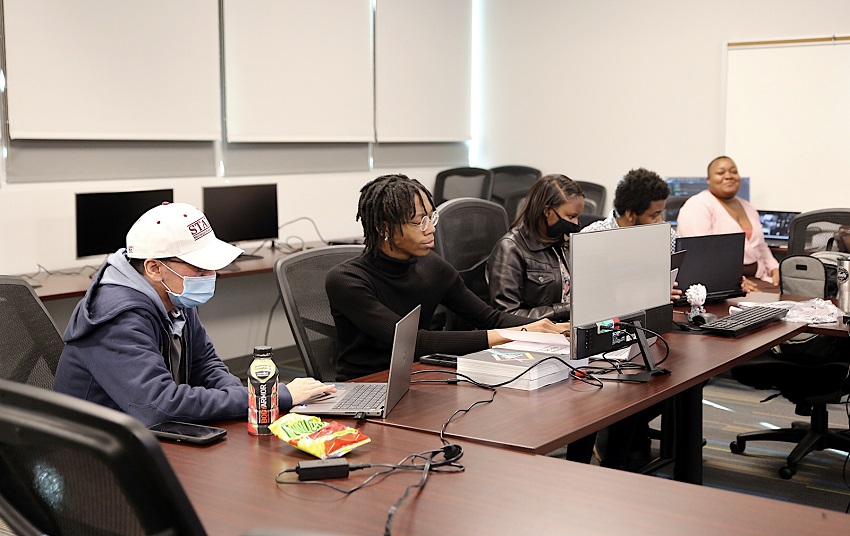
<point x="103" y="219"/>
<point x="619" y="273"/>
<point x="238" y="213"/>
<point x="688" y="186"/>
<point x="776" y="225"/>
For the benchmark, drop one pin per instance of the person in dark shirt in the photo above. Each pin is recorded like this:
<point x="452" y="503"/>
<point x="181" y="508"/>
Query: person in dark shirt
<point x="397" y="272"/>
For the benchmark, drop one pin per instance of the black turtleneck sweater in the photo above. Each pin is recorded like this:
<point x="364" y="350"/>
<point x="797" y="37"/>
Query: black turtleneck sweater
<point x="368" y="295"/>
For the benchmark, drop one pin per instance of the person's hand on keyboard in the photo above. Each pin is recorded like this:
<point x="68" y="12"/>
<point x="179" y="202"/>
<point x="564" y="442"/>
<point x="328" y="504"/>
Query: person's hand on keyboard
<point x="303" y="388"/>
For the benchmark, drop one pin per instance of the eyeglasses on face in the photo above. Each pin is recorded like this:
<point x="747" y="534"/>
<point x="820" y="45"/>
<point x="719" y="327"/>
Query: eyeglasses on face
<point x="423" y="223"/>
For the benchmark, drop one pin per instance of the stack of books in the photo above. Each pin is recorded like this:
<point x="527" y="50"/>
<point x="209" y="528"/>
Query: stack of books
<point x="497" y="365"/>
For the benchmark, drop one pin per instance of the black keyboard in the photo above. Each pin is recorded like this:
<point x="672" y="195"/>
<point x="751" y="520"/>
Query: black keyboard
<point x="745" y="321"/>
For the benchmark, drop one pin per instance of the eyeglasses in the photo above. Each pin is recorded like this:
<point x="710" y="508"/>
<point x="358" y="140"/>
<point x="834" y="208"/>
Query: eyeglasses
<point x="423" y="223"/>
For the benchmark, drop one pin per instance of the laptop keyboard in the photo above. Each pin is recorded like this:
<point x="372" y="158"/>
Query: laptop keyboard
<point x="363" y="396"/>
<point x="745" y="321"/>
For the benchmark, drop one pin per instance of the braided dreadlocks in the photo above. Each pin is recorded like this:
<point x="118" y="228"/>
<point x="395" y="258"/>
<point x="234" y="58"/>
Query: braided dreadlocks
<point x="385" y="205"/>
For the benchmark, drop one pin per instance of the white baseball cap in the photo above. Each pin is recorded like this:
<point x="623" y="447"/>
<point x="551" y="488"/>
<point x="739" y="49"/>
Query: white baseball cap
<point x="179" y="230"/>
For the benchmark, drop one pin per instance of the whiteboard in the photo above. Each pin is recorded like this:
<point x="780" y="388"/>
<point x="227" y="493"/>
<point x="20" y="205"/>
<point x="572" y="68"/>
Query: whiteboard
<point x="788" y="123"/>
<point x="107" y="69"/>
<point x="298" y="71"/>
<point x="423" y="70"/>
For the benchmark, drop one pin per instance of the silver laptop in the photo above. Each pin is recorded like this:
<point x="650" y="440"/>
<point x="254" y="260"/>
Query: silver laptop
<point x="373" y="399"/>
<point x="776" y="226"/>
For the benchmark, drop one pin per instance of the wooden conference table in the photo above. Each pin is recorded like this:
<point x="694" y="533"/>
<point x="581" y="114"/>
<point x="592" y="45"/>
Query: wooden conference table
<point x="541" y="421"/>
<point x="232" y="487"/>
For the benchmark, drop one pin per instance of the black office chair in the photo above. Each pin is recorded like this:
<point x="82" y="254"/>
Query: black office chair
<point x="71" y="467"/>
<point x="465" y="235"/>
<point x="510" y="186"/>
<point x="810" y="386"/>
<point x="810" y="371"/>
<point x="672" y="206"/>
<point x="816" y="230"/>
<point x="463" y="182"/>
<point x="301" y="282"/>
<point x="586" y="219"/>
<point x="594" y="197"/>
<point x="30" y="344"/>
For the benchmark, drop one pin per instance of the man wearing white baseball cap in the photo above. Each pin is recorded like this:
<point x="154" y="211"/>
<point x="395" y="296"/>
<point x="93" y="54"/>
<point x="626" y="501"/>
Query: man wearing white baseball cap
<point x="135" y="342"/>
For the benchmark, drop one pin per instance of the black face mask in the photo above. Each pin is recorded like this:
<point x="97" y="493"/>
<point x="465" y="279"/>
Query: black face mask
<point x="561" y="227"/>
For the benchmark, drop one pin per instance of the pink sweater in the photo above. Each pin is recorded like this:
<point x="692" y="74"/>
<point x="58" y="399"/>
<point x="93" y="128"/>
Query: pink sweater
<point x="703" y="214"/>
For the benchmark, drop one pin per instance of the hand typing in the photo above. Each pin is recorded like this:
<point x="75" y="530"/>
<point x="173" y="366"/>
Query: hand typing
<point x="303" y="388"/>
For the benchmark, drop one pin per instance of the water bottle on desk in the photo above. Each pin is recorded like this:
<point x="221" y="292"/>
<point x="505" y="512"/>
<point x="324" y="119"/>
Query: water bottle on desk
<point x="262" y="391"/>
<point x="843" y="277"/>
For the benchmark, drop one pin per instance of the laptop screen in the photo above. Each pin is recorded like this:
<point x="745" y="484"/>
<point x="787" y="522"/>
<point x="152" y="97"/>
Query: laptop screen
<point x="775" y="224"/>
<point x="715" y="261"/>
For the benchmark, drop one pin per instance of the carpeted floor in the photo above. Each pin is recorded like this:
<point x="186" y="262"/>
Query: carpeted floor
<point x="730" y="408"/>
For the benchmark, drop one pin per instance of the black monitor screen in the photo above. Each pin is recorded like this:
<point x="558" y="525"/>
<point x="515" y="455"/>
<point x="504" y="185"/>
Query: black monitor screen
<point x="103" y="219"/>
<point x="688" y="186"/>
<point x="239" y="213"/>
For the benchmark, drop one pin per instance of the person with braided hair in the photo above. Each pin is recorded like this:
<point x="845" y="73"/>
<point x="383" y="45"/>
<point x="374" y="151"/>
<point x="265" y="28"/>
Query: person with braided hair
<point x="396" y="272"/>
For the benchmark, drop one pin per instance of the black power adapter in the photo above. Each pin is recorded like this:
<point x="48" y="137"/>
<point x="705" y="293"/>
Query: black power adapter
<point x="321" y="469"/>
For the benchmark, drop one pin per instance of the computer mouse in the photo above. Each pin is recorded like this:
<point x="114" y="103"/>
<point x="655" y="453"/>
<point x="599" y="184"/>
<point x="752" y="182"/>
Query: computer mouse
<point x="703" y="318"/>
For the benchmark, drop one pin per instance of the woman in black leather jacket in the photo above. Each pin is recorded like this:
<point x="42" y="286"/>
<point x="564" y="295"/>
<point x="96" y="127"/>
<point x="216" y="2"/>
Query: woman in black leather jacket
<point x="527" y="269"/>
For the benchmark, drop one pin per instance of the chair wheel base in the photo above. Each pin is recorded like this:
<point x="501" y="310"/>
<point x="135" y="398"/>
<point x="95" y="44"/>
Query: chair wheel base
<point x="737" y="448"/>
<point x="787" y="472"/>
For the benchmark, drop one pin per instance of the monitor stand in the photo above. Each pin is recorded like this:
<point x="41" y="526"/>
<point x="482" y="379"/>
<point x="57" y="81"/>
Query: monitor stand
<point x="651" y="368"/>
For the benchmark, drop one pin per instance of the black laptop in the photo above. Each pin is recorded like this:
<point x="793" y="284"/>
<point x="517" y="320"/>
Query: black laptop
<point x="715" y="261"/>
<point x="776" y="226"/>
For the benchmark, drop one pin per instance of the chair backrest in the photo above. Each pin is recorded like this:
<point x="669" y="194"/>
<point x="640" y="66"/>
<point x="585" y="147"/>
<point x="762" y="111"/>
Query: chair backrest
<point x="301" y="281"/>
<point x="72" y="467"/>
<point x="586" y="219"/>
<point x="467" y="231"/>
<point x="513" y="204"/>
<point x="816" y="230"/>
<point x="509" y="181"/>
<point x="594" y="197"/>
<point x="672" y="206"/>
<point x="30" y="344"/>
<point x="463" y="182"/>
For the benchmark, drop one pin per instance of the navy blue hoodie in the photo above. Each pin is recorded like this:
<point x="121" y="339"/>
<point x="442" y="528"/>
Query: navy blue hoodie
<point x="116" y="355"/>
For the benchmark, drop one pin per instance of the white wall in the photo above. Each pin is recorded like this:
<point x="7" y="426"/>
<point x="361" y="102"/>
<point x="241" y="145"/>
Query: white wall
<point x="593" y="88"/>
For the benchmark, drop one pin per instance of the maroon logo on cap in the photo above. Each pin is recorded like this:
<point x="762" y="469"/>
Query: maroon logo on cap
<point x="200" y="228"/>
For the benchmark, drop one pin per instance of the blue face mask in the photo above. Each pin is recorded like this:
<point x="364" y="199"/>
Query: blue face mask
<point x="196" y="290"/>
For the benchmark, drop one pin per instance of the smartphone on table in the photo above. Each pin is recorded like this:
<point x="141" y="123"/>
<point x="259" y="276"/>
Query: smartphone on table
<point x="442" y="360"/>
<point x="184" y="432"/>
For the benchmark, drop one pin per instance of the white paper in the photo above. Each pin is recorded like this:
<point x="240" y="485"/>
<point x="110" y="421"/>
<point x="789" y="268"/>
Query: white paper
<point x="528" y="346"/>
<point x="533" y="336"/>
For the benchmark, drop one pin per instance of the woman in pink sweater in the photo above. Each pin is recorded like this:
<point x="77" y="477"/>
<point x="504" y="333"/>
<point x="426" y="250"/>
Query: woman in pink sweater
<point x="719" y="210"/>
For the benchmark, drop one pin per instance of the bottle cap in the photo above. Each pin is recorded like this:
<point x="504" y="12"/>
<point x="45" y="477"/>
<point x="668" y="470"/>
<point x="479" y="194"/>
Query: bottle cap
<point x="263" y="351"/>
